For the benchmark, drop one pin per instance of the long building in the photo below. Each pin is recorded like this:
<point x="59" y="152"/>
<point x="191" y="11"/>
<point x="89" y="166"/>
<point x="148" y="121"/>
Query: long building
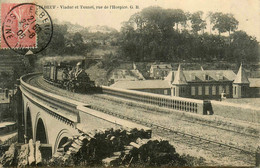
<point x="198" y="84"/>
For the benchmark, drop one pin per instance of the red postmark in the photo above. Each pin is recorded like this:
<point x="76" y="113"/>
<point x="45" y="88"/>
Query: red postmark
<point x="18" y="26"/>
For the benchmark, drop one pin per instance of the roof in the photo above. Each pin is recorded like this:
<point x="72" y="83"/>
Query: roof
<point x="254" y="82"/>
<point x="145" y="84"/>
<point x="29" y="52"/>
<point x="170" y="77"/>
<point x="241" y="76"/>
<point x="179" y="77"/>
<point x="162" y="66"/>
<point x="200" y="76"/>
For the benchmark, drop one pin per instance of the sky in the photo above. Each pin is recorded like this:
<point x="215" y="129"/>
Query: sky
<point x="247" y="12"/>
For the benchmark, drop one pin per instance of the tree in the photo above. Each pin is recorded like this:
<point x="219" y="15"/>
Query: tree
<point x="153" y="34"/>
<point x="224" y="22"/>
<point x="58" y="42"/>
<point x="177" y="17"/>
<point x="244" y="47"/>
<point x="77" y="39"/>
<point x="197" y="23"/>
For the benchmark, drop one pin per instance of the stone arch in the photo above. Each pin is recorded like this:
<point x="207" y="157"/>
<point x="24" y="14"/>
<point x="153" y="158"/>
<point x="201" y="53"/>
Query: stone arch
<point x="61" y="139"/>
<point x="40" y="130"/>
<point x="28" y="124"/>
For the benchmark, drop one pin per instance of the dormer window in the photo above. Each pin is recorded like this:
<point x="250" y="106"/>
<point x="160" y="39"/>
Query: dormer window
<point x="192" y="77"/>
<point x="207" y="77"/>
<point x="221" y="77"/>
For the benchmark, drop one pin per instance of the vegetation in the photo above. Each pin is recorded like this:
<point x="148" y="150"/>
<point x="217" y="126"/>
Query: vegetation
<point x="162" y="35"/>
<point x="173" y="35"/>
<point x="67" y="43"/>
<point x="154" y="34"/>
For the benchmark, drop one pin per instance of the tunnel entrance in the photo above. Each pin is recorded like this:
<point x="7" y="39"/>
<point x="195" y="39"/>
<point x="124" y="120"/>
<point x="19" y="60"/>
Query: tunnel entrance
<point x="29" y="131"/>
<point x="40" y="132"/>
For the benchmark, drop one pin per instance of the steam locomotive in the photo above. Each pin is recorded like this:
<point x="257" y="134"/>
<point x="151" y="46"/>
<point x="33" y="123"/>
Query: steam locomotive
<point x="71" y="78"/>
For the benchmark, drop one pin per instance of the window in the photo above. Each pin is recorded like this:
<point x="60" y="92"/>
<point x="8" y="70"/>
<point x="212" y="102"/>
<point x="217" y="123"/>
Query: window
<point x="221" y="77"/>
<point x="182" y="90"/>
<point x="213" y="90"/>
<point x="200" y="90"/>
<point x="235" y="90"/>
<point x="227" y="89"/>
<point x="165" y="92"/>
<point x="220" y="89"/>
<point x="193" y="90"/>
<point x="174" y="91"/>
<point x="207" y="77"/>
<point x="206" y="90"/>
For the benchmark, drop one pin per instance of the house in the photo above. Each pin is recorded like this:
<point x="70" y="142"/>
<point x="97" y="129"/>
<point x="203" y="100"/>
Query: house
<point x="126" y="75"/>
<point x="159" y="71"/>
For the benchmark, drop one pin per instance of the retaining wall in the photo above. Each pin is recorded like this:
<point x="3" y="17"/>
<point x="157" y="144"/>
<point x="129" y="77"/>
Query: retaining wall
<point x="236" y="111"/>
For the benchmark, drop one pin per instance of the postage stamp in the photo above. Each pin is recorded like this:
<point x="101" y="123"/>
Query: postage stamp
<point x="25" y="27"/>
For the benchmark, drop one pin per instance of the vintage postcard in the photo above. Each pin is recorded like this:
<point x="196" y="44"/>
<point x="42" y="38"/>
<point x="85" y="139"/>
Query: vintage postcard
<point x="129" y="83"/>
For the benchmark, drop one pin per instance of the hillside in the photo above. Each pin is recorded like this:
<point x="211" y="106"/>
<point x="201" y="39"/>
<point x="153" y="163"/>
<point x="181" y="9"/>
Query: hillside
<point x="101" y="29"/>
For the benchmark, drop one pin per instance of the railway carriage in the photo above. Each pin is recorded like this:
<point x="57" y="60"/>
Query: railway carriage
<point x="67" y="77"/>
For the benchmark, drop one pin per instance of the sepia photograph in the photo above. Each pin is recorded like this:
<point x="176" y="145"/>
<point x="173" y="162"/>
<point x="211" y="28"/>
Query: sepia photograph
<point x="130" y="83"/>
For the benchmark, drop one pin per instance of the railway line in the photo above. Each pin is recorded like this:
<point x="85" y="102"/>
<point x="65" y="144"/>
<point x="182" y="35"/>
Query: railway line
<point x="190" y="140"/>
<point x="218" y="148"/>
<point x="179" y="118"/>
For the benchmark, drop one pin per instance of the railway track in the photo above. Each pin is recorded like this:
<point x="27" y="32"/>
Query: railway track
<point x="178" y="136"/>
<point x="191" y="140"/>
<point x="179" y="118"/>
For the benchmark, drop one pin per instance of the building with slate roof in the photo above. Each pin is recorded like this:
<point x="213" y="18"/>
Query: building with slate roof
<point x="201" y="84"/>
<point x="159" y="71"/>
<point x="197" y="84"/>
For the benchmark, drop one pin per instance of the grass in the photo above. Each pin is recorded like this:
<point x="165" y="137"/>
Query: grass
<point x="248" y="101"/>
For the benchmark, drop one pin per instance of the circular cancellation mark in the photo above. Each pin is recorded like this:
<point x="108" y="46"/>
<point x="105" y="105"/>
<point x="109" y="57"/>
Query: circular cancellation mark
<point x="27" y="27"/>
